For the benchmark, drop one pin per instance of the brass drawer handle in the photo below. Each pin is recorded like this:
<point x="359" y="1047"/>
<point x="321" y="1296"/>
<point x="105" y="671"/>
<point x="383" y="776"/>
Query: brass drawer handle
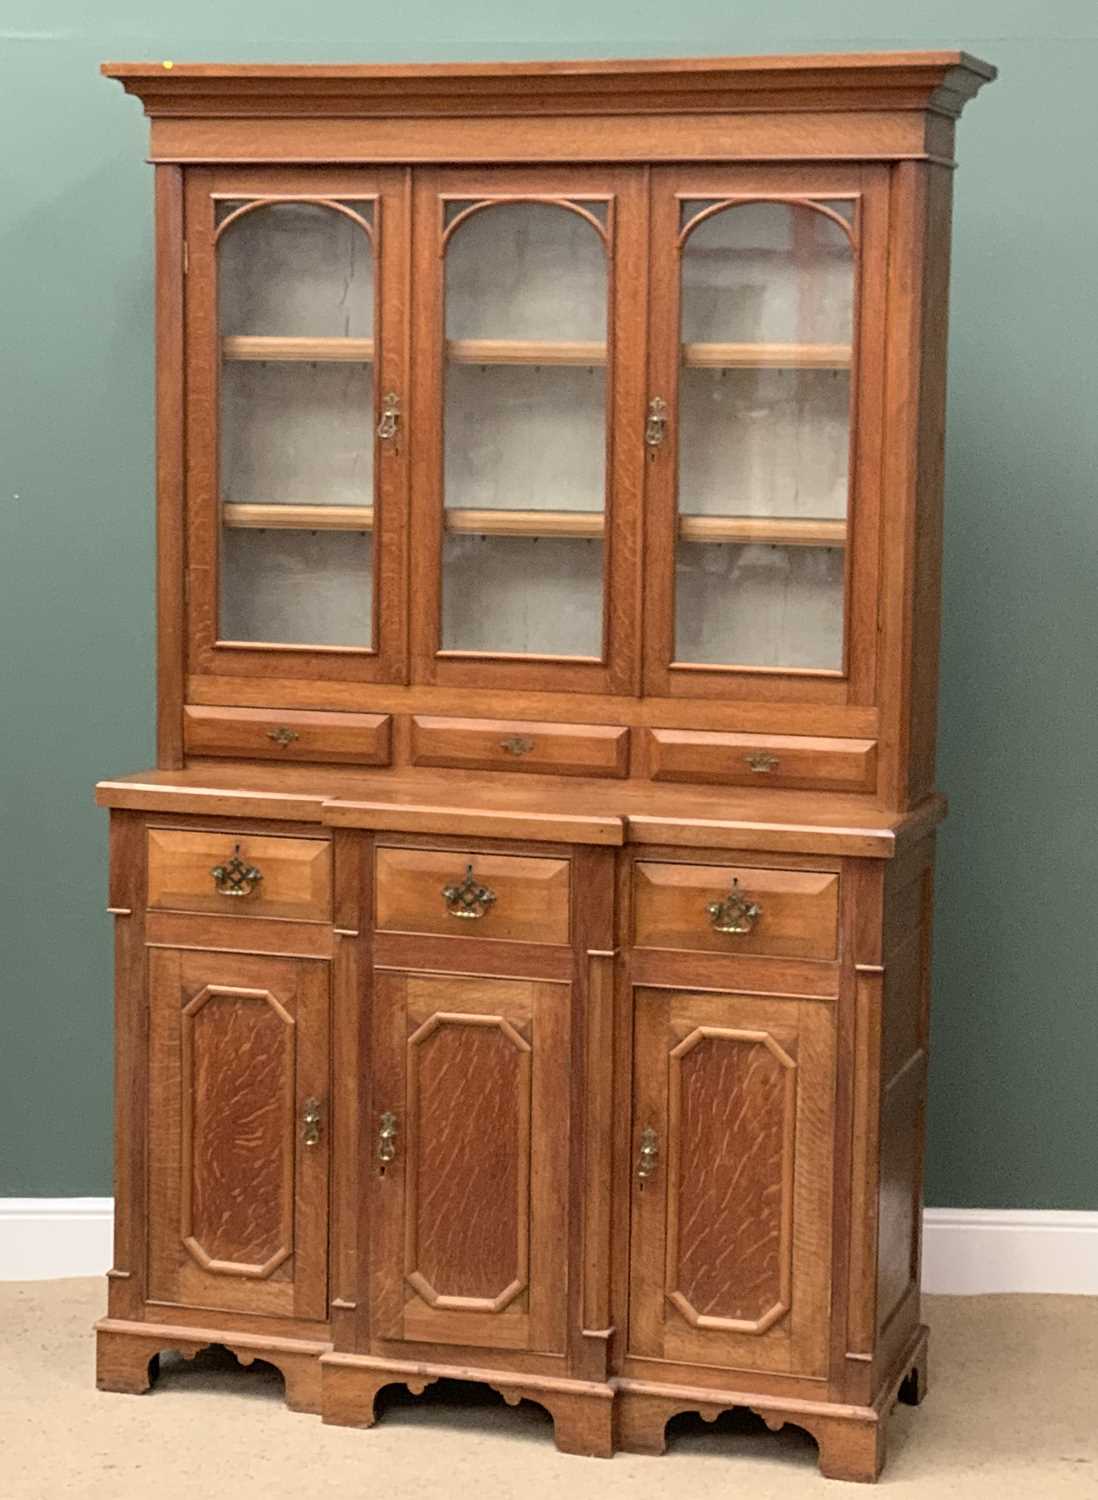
<point x="655" y="428"/>
<point x="389" y="425"/>
<point x="386" y="1138"/>
<point x="761" y="761"/>
<point x="468" y="900"/>
<point x="234" y="877"/>
<point x="310" y="1120"/>
<point x="283" y="736"/>
<point x="648" y="1157"/>
<point x="517" y="745"/>
<point x="736" y="913"/>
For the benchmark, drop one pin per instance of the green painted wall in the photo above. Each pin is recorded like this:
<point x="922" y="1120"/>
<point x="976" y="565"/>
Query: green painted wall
<point x="1016" y="1005"/>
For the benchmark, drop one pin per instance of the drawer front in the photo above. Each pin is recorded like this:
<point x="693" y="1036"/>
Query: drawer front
<point x="520" y="745"/>
<point x="773" y="913"/>
<point x="256" y="876"/>
<point x="464" y="895"/>
<point x="792" y="761"/>
<point x="288" y="734"/>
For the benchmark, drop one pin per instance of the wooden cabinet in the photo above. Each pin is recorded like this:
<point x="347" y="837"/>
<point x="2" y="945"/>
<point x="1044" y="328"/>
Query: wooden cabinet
<point x="523" y="939"/>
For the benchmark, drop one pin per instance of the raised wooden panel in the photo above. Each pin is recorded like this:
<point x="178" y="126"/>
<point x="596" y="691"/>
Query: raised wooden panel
<point x="288" y="734"/>
<point x="730" y="1142"/>
<point x="730" y="1245"/>
<point x="469" y="1218"/>
<point x="900" y="1190"/>
<point x="237" y="1081"/>
<point x="468" y="1208"/>
<point x="520" y="745"/>
<point x="296" y="874"/>
<point x="797" y="910"/>
<point x="793" y="762"/>
<point x="530" y="895"/>
<point x="238" y="1199"/>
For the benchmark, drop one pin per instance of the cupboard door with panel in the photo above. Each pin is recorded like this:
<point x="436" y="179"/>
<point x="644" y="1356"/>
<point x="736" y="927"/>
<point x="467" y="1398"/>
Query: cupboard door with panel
<point x="238" y="1132"/>
<point x="471" y="1141"/>
<point x="296" y="353"/>
<point x="731" y="1214"/>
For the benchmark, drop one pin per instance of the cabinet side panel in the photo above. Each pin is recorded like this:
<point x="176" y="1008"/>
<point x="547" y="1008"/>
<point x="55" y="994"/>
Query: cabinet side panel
<point x="169" y="468"/>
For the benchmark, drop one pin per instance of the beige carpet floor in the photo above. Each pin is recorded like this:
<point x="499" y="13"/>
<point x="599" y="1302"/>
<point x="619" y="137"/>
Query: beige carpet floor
<point x="1012" y="1415"/>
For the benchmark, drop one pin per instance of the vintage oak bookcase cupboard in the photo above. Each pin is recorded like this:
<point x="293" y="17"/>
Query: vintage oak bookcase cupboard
<point x="523" y="939"/>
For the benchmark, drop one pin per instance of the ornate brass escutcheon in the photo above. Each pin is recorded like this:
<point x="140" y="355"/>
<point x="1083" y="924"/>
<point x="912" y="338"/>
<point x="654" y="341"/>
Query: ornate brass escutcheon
<point x="234" y="877"/>
<point x="517" y="745"/>
<point x="386" y="1138"/>
<point x="389" y="425"/>
<point x="310" y="1120"/>
<point x="283" y="736"/>
<point x="468" y="900"/>
<point x="761" y="760"/>
<point x="736" y="913"/>
<point x="655" y="428"/>
<point x="648" y="1158"/>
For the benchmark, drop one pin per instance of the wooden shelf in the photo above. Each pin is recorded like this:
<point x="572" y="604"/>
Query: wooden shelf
<point x="299" y="517"/>
<point x="319" y="351"/>
<point x="776" y="531"/>
<point x="767" y="356"/>
<point x="523" y="352"/>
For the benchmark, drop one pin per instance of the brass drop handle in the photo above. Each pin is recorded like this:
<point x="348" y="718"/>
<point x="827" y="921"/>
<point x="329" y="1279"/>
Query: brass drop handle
<point x="389" y="425"/>
<point x="762" y="761"/>
<point x="655" y="428"/>
<point x="648" y="1157"/>
<point x="283" y="736"/>
<point x="310" y="1120"/>
<point x="234" y="877"/>
<point x="468" y="900"/>
<point x="737" y="913"/>
<point x="517" y="745"/>
<point x="386" y="1138"/>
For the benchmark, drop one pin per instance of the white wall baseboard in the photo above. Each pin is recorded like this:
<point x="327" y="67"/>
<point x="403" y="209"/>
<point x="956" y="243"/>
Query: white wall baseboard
<point x="965" y="1250"/>
<point x="971" y="1250"/>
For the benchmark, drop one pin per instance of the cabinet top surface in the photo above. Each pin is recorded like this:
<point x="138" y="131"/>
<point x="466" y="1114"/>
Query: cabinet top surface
<point x="492" y="805"/>
<point x="942" y="80"/>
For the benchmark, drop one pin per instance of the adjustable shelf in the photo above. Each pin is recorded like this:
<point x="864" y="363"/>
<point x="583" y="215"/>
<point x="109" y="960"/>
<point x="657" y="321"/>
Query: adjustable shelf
<point x="776" y="531"/>
<point x="767" y="356"/>
<point x="318" y="351"/>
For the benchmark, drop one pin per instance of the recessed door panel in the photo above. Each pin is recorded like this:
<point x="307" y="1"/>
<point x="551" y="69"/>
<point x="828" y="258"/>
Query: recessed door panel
<point x="730" y="1248"/>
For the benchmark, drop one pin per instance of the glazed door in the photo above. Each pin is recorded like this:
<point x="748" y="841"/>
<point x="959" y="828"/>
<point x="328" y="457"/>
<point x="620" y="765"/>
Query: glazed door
<point x="732" y="1139"/>
<point x="296" y="422"/>
<point x="763" y="440"/>
<point x="238" y="1132"/>
<point x="529" y="335"/>
<point x="470" y="1145"/>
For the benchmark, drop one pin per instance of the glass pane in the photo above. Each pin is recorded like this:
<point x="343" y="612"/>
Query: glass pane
<point x="525" y="432"/>
<point x="296" y="317"/>
<point x="764" y="435"/>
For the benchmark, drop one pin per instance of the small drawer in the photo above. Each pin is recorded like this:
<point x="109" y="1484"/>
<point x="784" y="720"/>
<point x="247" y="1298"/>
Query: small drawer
<point x="473" y="895"/>
<point x="288" y="734"/>
<point x="793" y="762"/>
<point x="256" y="876"/>
<point x="517" y="745"/>
<point x="736" y="910"/>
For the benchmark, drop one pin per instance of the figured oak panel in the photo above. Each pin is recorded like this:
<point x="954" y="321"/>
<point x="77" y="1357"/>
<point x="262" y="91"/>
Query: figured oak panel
<point x="238" y="1200"/>
<point x="730" y="1243"/>
<point x="237" y="1210"/>
<point x="468" y="1202"/>
<point x="731" y="1134"/>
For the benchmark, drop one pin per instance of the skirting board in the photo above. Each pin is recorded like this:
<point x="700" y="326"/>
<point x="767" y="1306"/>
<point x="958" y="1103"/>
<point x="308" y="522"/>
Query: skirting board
<point x="966" y="1251"/>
